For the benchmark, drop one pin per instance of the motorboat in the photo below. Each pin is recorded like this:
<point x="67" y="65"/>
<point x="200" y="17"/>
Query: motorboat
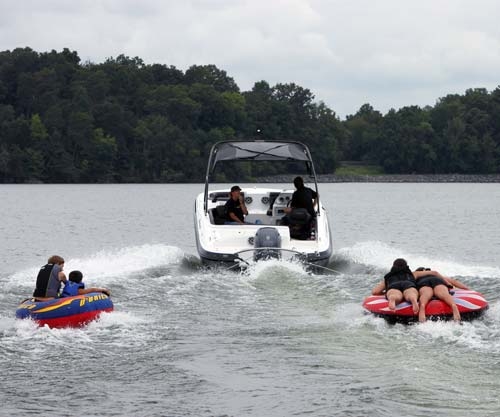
<point x="264" y="234"/>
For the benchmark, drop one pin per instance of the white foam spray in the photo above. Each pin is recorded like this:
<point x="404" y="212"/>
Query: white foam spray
<point x="107" y="265"/>
<point x="381" y="255"/>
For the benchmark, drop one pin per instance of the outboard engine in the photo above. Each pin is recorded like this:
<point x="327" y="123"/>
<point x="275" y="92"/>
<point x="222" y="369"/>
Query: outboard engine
<point x="267" y="237"/>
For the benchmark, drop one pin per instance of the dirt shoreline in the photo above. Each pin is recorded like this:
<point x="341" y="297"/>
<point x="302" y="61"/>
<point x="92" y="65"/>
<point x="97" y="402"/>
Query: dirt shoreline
<point x="455" y="178"/>
<point x="447" y="178"/>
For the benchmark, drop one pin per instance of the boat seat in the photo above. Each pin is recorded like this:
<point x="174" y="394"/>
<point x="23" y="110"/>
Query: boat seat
<point x="219" y="196"/>
<point x="219" y="214"/>
<point x="299" y="223"/>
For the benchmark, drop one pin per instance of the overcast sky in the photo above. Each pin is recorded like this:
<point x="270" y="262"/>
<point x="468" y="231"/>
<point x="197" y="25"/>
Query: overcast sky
<point x="389" y="53"/>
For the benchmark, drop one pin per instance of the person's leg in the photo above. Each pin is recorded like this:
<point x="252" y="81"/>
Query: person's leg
<point x="411" y="295"/>
<point x="426" y="294"/>
<point x="442" y="292"/>
<point x="394" y="297"/>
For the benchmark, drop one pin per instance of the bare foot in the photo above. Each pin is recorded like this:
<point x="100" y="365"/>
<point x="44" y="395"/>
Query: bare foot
<point x="421" y="315"/>
<point x="456" y="314"/>
<point x="392" y="305"/>
<point x="415" y="307"/>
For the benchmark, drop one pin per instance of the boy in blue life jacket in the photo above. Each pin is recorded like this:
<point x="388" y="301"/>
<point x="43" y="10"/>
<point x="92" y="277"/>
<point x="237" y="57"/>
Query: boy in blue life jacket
<point x="75" y="286"/>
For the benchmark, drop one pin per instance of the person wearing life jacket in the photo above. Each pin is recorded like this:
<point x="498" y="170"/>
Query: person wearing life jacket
<point x="75" y="286"/>
<point x="49" y="279"/>
<point x="399" y="284"/>
<point x="433" y="284"/>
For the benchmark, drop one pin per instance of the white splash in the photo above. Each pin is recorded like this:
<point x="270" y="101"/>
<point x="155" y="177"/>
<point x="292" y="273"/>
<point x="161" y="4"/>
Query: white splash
<point x="103" y="266"/>
<point x="381" y="255"/>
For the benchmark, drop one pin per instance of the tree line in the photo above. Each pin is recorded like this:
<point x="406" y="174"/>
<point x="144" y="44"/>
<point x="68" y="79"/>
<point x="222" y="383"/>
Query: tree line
<point x="64" y="121"/>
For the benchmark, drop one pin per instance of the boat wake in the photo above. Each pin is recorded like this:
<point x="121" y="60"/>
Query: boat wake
<point x="109" y="266"/>
<point x="377" y="257"/>
<point x="364" y="264"/>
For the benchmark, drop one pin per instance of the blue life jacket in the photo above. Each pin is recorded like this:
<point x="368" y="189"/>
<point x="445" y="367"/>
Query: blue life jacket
<point x="71" y="288"/>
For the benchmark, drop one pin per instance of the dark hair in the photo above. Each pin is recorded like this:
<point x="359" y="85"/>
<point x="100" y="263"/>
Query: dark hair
<point x="399" y="265"/>
<point x="298" y="182"/>
<point x="75" y="276"/>
<point x="422" y="268"/>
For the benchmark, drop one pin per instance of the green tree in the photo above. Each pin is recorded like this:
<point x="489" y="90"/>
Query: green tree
<point x="38" y="131"/>
<point x="100" y="167"/>
<point x="211" y="76"/>
<point x="364" y="131"/>
<point x="174" y="102"/>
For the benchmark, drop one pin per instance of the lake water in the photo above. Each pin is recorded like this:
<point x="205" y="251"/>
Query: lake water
<point x="273" y="341"/>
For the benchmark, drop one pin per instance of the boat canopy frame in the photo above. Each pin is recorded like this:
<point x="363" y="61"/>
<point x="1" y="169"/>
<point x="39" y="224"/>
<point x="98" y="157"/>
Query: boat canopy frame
<point x="258" y="151"/>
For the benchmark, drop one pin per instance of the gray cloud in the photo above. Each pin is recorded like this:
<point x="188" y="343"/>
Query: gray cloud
<point x="388" y="53"/>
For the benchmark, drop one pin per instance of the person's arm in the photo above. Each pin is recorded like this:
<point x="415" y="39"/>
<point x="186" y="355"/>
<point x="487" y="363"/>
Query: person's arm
<point x="449" y="281"/>
<point x="234" y="218"/>
<point x="293" y="201"/>
<point x="379" y="288"/>
<point x="242" y="206"/>
<point x="61" y="276"/>
<point x="314" y="205"/>
<point x="82" y="291"/>
<point x="456" y="283"/>
<point x="314" y="198"/>
<point x="420" y="274"/>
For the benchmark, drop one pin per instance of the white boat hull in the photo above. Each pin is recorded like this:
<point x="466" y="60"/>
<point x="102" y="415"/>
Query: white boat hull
<point x="231" y="244"/>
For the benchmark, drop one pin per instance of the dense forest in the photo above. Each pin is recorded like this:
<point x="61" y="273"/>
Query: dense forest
<point x="62" y="120"/>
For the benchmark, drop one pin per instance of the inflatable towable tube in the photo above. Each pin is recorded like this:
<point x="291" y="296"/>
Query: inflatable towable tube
<point x="67" y="311"/>
<point x="471" y="304"/>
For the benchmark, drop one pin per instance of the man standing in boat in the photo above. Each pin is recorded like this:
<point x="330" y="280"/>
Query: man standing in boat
<point x="49" y="279"/>
<point x="303" y="197"/>
<point x="235" y="207"/>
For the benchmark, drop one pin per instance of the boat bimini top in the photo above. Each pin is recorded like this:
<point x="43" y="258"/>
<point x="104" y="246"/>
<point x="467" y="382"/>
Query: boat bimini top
<point x="258" y="151"/>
